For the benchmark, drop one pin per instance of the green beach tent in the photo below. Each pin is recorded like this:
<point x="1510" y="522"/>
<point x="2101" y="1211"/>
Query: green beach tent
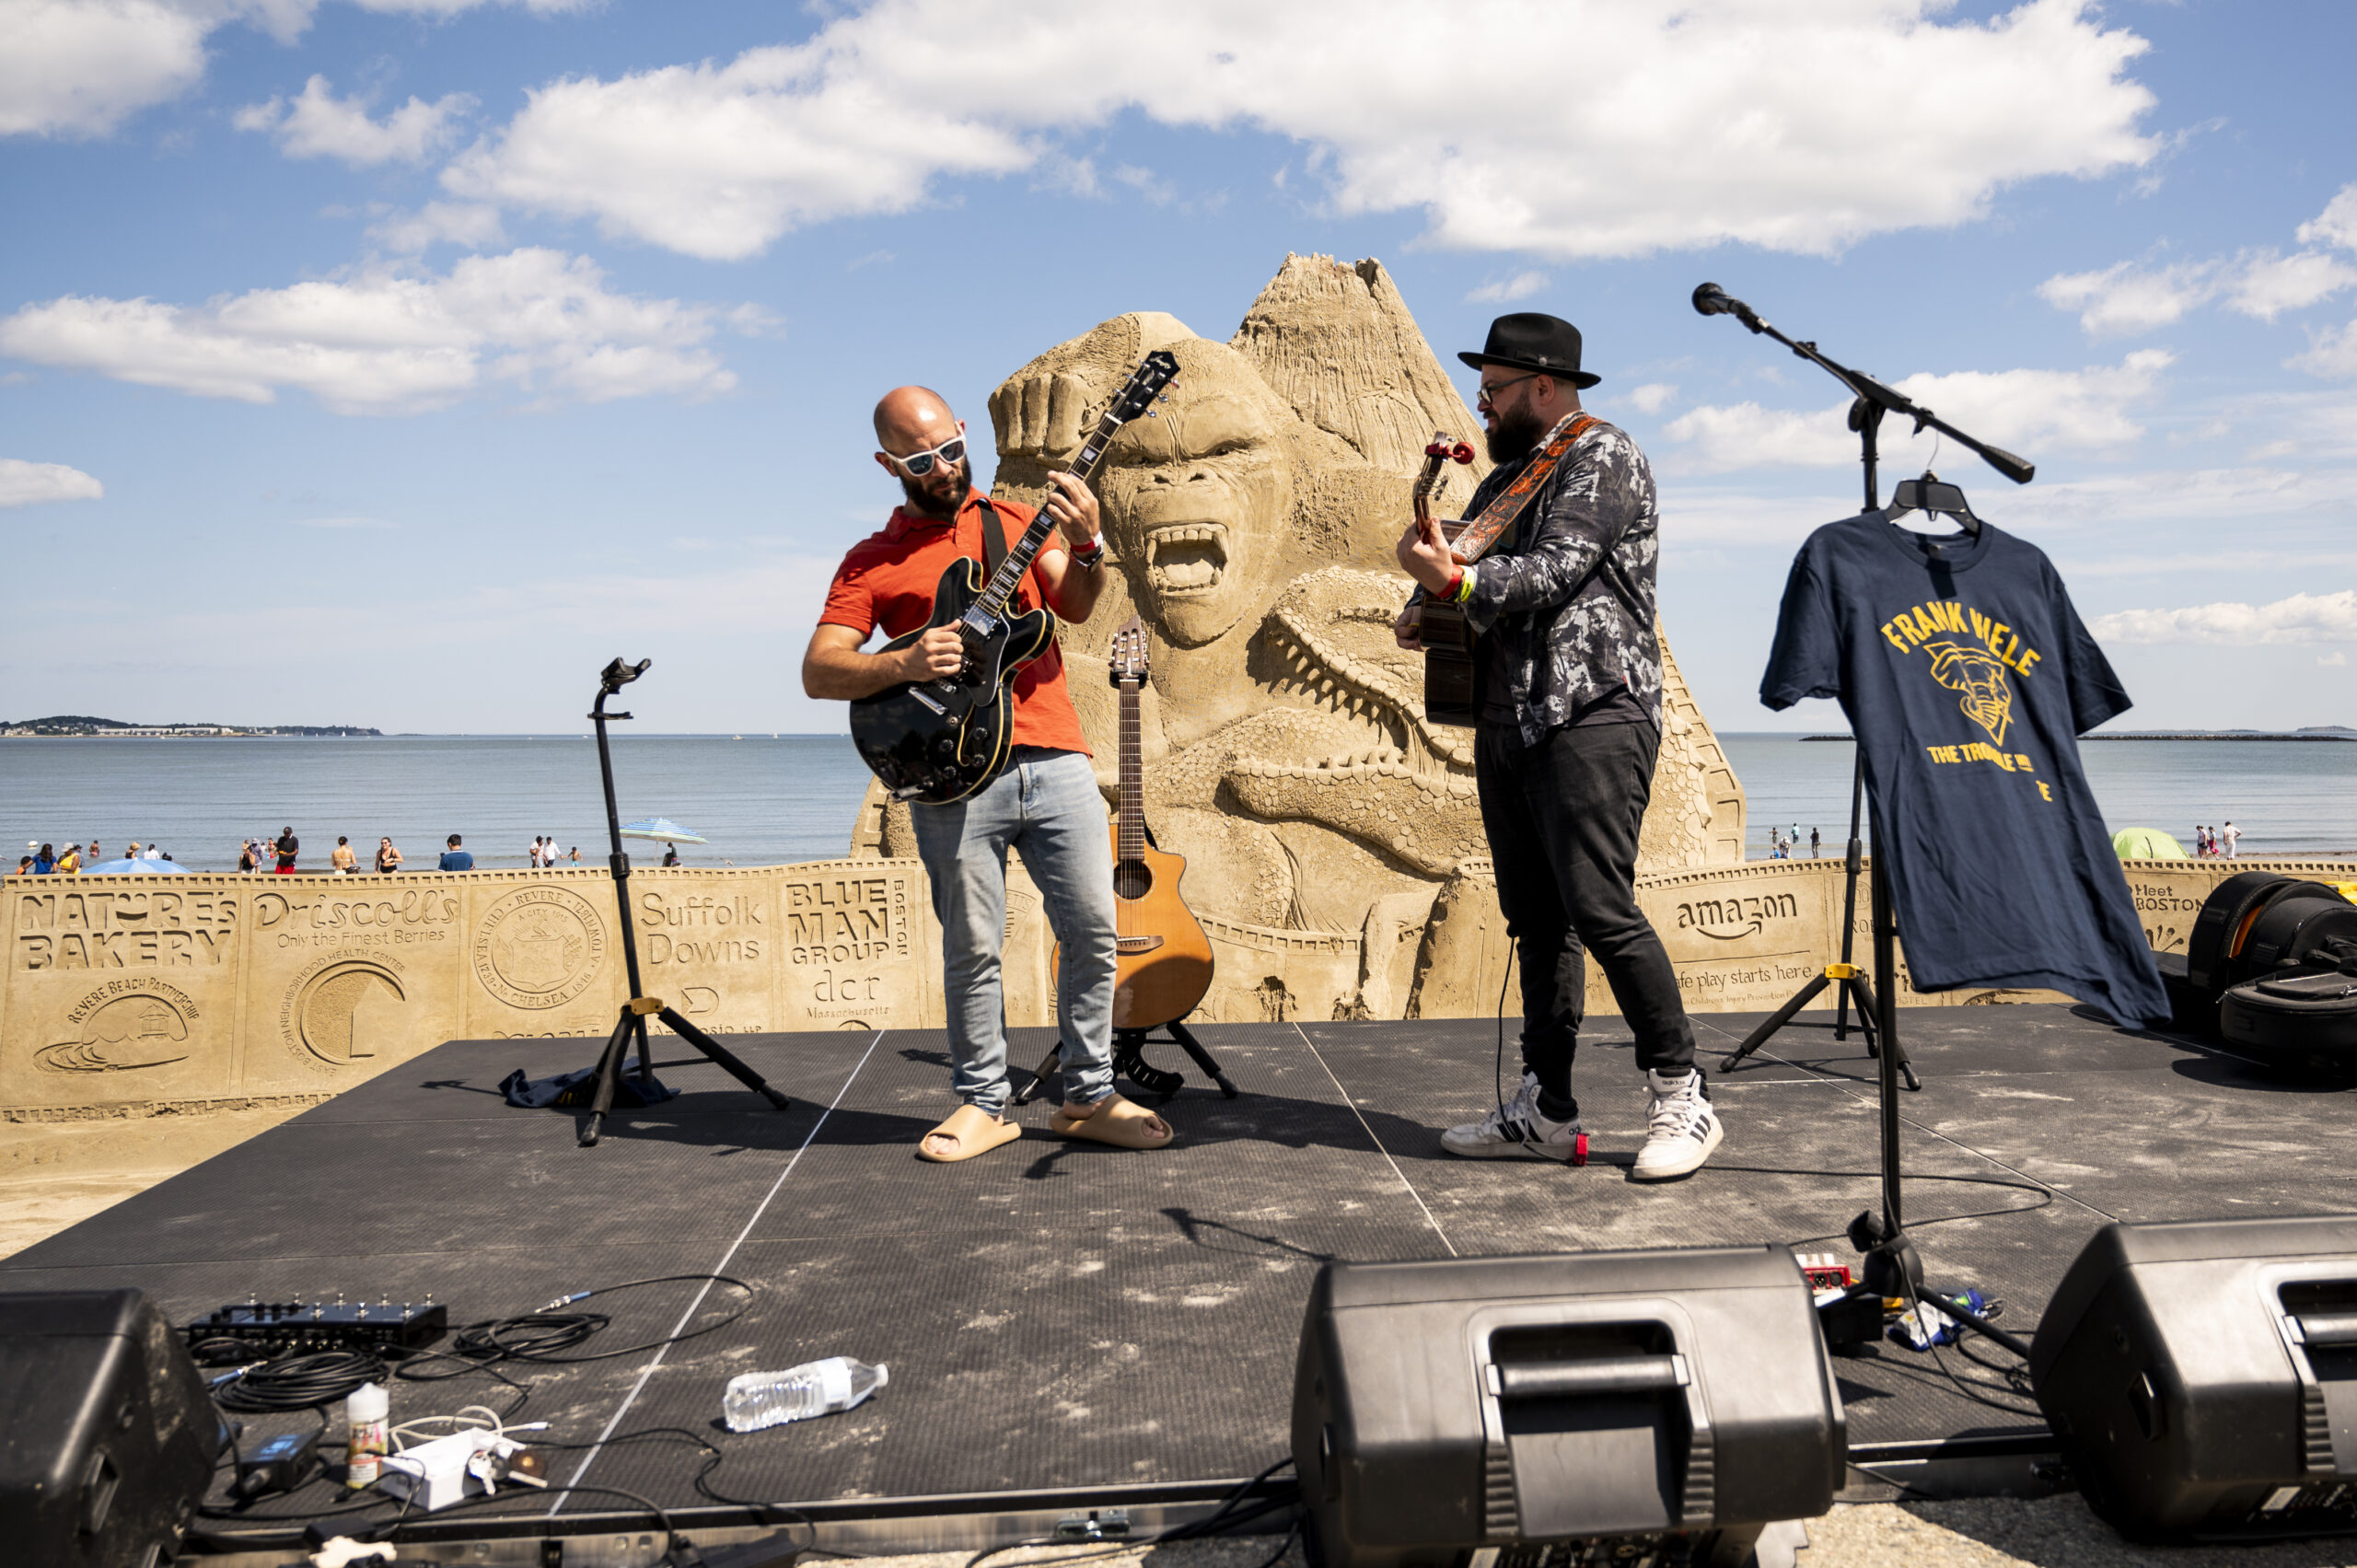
<point x="2146" y="844"/>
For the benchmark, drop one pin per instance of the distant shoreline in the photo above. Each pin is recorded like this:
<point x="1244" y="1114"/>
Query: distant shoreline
<point x="2165" y="734"/>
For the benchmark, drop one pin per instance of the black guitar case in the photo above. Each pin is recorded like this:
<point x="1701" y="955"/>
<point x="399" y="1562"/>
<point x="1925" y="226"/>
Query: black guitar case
<point x="2272" y="970"/>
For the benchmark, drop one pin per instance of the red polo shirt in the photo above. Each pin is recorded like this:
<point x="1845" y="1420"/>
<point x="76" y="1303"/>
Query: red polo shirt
<point x="888" y="578"/>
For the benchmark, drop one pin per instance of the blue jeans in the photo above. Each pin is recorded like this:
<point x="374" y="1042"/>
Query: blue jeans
<point x="1048" y="807"/>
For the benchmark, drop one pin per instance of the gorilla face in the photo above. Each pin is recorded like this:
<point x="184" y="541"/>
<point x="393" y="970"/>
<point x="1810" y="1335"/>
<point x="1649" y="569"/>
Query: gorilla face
<point x="1197" y="500"/>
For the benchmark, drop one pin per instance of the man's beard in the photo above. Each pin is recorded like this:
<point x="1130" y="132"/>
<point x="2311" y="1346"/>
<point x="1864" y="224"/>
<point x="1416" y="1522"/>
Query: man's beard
<point x="1516" y="434"/>
<point x="923" y="502"/>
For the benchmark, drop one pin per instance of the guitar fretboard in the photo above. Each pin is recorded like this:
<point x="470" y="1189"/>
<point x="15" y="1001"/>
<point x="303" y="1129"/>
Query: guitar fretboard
<point x="1000" y="592"/>
<point x="1131" y="816"/>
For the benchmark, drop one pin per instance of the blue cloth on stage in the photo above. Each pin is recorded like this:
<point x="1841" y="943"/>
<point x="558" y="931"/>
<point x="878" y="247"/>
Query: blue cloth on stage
<point x="574" y="1090"/>
<point x="1968" y="677"/>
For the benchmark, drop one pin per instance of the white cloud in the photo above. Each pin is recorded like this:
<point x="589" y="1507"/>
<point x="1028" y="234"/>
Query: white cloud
<point x="2337" y="225"/>
<point x="2128" y="298"/>
<point x="81" y="68"/>
<point x="2331" y="353"/>
<point x="2303" y="618"/>
<point x="1796" y="128"/>
<point x="1146" y="183"/>
<point x="2333" y="661"/>
<point x="1503" y="290"/>
<point x="386" y="340"/>
<point x="341" y="523"/>
<point x="28" y="485"/>
<point x="468" y="224"/>
<point x="2124" y="297"/>
<point x="1653" y="397"/>
<point x="2023" y="410"/>
<point x="320" y="124"/>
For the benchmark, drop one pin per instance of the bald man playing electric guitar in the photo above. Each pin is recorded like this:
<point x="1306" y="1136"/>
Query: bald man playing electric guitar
<point x="1046" y="804"/>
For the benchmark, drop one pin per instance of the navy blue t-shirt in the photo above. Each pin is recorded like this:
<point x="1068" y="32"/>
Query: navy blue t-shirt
<point x="1967" y="679"/>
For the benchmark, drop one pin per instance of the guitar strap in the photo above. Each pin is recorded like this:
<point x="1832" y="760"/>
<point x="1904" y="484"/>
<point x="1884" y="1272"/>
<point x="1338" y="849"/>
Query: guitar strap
<point x="1476" y="538"/>
<point x="994" y="546"/>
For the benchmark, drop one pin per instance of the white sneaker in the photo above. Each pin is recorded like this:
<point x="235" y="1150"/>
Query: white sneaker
<point x="1681" y="1130"/>
<point x="1516" y="1130"/>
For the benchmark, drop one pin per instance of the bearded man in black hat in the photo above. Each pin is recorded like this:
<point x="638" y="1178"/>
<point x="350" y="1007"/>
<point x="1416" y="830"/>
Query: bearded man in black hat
<point x="1567" y="688"/>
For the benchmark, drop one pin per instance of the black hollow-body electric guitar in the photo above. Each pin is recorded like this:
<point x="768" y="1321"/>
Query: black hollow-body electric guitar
<point x="941" y="739"/>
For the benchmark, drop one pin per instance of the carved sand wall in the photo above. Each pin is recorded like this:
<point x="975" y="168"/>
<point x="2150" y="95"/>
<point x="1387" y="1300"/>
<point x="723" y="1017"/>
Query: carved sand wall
<point x="201" y="988"/>
<point x="124" y="993"/>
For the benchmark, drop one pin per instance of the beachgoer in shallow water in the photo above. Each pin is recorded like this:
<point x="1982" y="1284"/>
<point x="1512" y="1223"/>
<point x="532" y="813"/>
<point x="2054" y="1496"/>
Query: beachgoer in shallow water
<point x="387" y="857"/>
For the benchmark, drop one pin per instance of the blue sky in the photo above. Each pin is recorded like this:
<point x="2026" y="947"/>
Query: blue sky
<point x="397" y="362"/>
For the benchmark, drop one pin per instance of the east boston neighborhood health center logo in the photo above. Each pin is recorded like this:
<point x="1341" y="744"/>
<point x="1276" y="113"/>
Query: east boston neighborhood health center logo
<point x="319" y="1018"/>
<point x="539" y="948"/>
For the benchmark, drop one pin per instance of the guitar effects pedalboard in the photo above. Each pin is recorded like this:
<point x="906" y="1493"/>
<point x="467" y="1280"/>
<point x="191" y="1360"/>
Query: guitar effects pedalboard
<point x="265" y="1329"/>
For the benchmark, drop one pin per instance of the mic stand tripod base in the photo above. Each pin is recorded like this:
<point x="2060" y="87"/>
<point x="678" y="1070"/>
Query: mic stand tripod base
<point x="632" y="1022"/>
<point x="1857" y="989"/>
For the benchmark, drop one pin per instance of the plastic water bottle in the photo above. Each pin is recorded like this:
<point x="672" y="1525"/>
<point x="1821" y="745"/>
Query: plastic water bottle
<point x="757" y="1400"/>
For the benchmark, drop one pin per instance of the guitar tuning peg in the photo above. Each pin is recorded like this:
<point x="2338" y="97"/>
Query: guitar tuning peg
<point x="1154" y="413"/>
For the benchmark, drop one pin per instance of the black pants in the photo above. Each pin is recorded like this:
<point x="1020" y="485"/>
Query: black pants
<point x="1561" y="818"/>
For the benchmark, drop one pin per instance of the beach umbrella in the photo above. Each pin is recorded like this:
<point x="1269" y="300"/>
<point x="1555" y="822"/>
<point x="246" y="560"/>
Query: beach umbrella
<point x="136" y="869"/>
<point x="2146" y="844"/>
<point x="662" y="829"/>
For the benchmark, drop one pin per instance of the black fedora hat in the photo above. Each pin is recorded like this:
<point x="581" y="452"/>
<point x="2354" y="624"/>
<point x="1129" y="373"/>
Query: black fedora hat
<point x="1529" y="340"/>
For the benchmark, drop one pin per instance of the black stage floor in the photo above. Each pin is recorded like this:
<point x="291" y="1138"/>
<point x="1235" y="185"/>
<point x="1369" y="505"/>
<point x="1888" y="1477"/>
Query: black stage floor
<point x="1059" y="1316"/>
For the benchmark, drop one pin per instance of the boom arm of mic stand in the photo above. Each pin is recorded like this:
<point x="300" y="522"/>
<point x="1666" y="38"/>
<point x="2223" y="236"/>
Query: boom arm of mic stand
<point x="2018" y="470"/>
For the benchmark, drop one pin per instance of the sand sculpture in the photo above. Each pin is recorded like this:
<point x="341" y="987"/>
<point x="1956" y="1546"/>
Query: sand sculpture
<point x="1325" y="823"/>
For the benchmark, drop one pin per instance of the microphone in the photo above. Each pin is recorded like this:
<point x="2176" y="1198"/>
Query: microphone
<point x="1710" y="299"/>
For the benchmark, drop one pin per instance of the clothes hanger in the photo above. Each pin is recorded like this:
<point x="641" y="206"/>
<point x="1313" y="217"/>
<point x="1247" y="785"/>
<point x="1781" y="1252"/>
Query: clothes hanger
<point x="1934" y="496"/>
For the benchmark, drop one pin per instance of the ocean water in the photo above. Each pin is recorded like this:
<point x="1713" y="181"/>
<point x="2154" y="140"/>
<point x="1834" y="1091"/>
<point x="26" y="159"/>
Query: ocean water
<point x="2288" y="797"/>
<point x="767" y="801"/>
<point x="760" y="801"/>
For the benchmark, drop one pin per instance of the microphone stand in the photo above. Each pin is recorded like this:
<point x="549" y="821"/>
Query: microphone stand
<point x="631" y="1025"/>
<point x="1892" y="1267"/>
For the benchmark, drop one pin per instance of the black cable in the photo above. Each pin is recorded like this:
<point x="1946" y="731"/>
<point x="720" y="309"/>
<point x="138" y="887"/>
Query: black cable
<point x="541" y="1337"/>
<point x="299" y="1382"/>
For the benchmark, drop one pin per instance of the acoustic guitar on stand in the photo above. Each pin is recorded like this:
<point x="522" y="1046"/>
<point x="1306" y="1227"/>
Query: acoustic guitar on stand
<point x="1164" y="963"/>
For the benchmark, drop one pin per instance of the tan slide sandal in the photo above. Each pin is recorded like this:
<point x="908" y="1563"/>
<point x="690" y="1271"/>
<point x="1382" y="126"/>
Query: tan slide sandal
<point x="1125" y="1124"/>
<point x="970" y="1131"/>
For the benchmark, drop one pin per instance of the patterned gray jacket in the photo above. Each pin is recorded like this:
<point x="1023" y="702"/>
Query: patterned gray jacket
<point x="1572" y="587"/>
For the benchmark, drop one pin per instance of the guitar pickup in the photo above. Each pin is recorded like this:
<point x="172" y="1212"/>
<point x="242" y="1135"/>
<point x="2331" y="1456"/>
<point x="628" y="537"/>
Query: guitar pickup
<point x="918" y="692"/>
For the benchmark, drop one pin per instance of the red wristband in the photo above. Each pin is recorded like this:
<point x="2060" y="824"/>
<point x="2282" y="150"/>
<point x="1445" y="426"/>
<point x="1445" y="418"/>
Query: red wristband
<point x="1455" y="582"/>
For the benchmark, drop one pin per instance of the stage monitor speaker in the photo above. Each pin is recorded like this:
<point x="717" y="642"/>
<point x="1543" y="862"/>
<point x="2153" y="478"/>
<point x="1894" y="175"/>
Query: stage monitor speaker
<point x="107" y="1439"/>
<point x="2201" y="1377"/>
<point x="1483" y="1413"/>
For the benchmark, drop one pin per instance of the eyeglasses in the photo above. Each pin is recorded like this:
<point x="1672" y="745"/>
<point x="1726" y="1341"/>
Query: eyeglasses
<point x="916" y="465"/>
<point x="1489" y="396"/>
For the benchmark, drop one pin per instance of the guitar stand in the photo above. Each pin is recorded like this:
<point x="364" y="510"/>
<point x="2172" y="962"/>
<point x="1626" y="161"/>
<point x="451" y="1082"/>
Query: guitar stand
<point x="639" y="1008"/>
<point x="1129" y="1061"/>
